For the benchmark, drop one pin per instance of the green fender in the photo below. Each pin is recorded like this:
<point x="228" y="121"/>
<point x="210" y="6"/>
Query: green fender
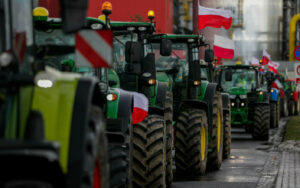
<point x="202" y="90"/>
<point x="112" y="75"/>
<point x="112" y="106"/>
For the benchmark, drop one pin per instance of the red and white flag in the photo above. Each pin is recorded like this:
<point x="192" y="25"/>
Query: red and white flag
<point x="223" y="47"/>
<point x="276" y="84"/>
<point x="254" y="61"/>
<point x="273" y="66"/>
<point x="140" y="107"/>
<point x="214" y="18"/>
<point x="266" y="57"/>
<point x="93" y="48"/>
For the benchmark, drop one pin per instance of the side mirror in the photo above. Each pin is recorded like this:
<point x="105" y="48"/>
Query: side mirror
<point x="228" y="76"/>
<point x="112" y="83"/>
<point x="209" y="55"/>
<point x="133" y="52"/>
<point x="165" y="47"/>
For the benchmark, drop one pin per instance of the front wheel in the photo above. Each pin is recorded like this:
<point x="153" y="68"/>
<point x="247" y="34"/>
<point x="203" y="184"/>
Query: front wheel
<point x="261" y="124"/>
<point x="227" y="135"/>
<point x="215" y="156"/>
<point x="191" y="142"/>
<point x="147" y="167"/>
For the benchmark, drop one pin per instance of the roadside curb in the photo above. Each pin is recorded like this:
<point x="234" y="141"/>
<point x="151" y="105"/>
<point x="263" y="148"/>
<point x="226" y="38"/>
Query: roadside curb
<point x="270" y="171"/>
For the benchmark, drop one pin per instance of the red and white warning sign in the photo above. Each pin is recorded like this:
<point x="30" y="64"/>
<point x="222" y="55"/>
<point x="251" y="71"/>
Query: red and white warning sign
<point x="297" y="72"/>
<point x="93" y="48"/>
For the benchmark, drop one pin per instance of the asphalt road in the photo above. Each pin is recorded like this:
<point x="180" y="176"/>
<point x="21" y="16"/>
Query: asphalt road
<point x="242" y="169"/>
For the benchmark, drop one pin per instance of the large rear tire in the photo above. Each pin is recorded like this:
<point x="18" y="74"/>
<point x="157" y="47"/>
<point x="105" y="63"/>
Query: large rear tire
<point x="273" y="115"/>
<point x="215" y="156"/>
<point x="261" y="124"/>
<point x="227" y="135"/>
<point x="285" y="111"/>
<point x="148" y="153"/>
<point x="118" y="165"/>
<point x="291" y="108"/>
<point x="169" y="133"/>
<point x="191" y="142"/>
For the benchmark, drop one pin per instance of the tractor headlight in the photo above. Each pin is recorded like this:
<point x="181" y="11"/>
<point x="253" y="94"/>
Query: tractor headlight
<point x="152" y="82"/>
<point x="292" y="94"/>
<point x="261" y="93"/>
<point x="44" y="80"/>
<point x="272" y="90"/>
<point x="242" y="104"/>
<point x="111" y="97"/>
<point x="232" y="104"/>
<point x="243" y="96"/>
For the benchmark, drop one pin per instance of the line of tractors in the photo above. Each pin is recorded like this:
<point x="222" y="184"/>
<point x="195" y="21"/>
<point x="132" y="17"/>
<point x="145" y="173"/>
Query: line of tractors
<point x="63" y="125"/>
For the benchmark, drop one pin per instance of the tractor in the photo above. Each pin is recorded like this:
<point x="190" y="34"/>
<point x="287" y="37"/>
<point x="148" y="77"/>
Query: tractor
<point x="117" y="107"/>
<point x="51" y="122"/>
<point x="198" y="114"/>
<point x="134" y="70"/>
<point x="292" y="94"/>
<point x="249" y="98"/>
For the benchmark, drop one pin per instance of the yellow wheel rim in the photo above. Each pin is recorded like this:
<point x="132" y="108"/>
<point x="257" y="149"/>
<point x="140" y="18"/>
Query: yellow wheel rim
<point x="203" y="142"/>
<point x="219" y="131"/>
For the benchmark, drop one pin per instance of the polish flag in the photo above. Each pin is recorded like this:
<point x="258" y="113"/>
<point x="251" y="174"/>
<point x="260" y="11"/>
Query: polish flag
<point x="214" y="18"/>
<point x="276" y="84"/>
<point x="254" y="62"/>
<point x="140" y="107"/>
<point x="261" y="69"/>
<point x="273" y="66"/>
<point x="223" y="47"/>
<point x="266" y="57"/>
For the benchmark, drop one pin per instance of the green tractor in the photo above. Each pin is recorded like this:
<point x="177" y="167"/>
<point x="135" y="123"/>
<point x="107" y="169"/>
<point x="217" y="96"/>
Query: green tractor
<point x="198" y="131"/>
<point x="293" y="97"/>
<point x="249" y="98"/>
<point x="50" y="122"/>
<point x="134" y="70"/>
<point x="117" y="107"/>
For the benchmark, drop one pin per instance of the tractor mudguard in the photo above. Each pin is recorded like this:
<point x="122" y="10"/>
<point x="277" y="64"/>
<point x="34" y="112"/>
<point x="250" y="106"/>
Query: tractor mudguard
<point x="156" y="110"/>
<point x="87" y="93"/>
<point x="195" y="104"/>
<point x="225" y="101"/>
<point x="209" y="96"/>
<point x="161" y="94"/>
<point x="117" y="127"/>
<point x="274" y="95"/>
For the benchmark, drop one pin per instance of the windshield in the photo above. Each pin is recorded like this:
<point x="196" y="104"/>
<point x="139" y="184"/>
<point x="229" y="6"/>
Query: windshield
<point x="56" y="37"/>
<point x="240" y="78"/>
<point x="178" y="59"/>
<point x="204" y="75"/>
<point x="119" y="51"/>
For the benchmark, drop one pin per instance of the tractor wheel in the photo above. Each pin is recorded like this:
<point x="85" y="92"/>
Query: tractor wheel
<point x="118" y="165"/>
<point x="97" y="174"/>
<point x="285" y="111"/>
<point x="215" y="156"/>
<point x="277" y="113"/>
<point x="261" y="122"/>
<point x="169" y="133"/>
<point x="291" y="108"/>
<point x="148" y="153"/>
<point x="191" y="142"/>
<point x="273" y="115"/>
<point x="297" y="107"/>
<point x="227" y="135"/>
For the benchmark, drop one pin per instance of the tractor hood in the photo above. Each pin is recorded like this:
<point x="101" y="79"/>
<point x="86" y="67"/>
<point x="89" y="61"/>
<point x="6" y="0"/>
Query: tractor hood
<point x="238" y="91"/>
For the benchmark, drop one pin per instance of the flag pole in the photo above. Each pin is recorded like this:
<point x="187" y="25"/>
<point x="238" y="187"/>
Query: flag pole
<point x="195" y="16"/>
